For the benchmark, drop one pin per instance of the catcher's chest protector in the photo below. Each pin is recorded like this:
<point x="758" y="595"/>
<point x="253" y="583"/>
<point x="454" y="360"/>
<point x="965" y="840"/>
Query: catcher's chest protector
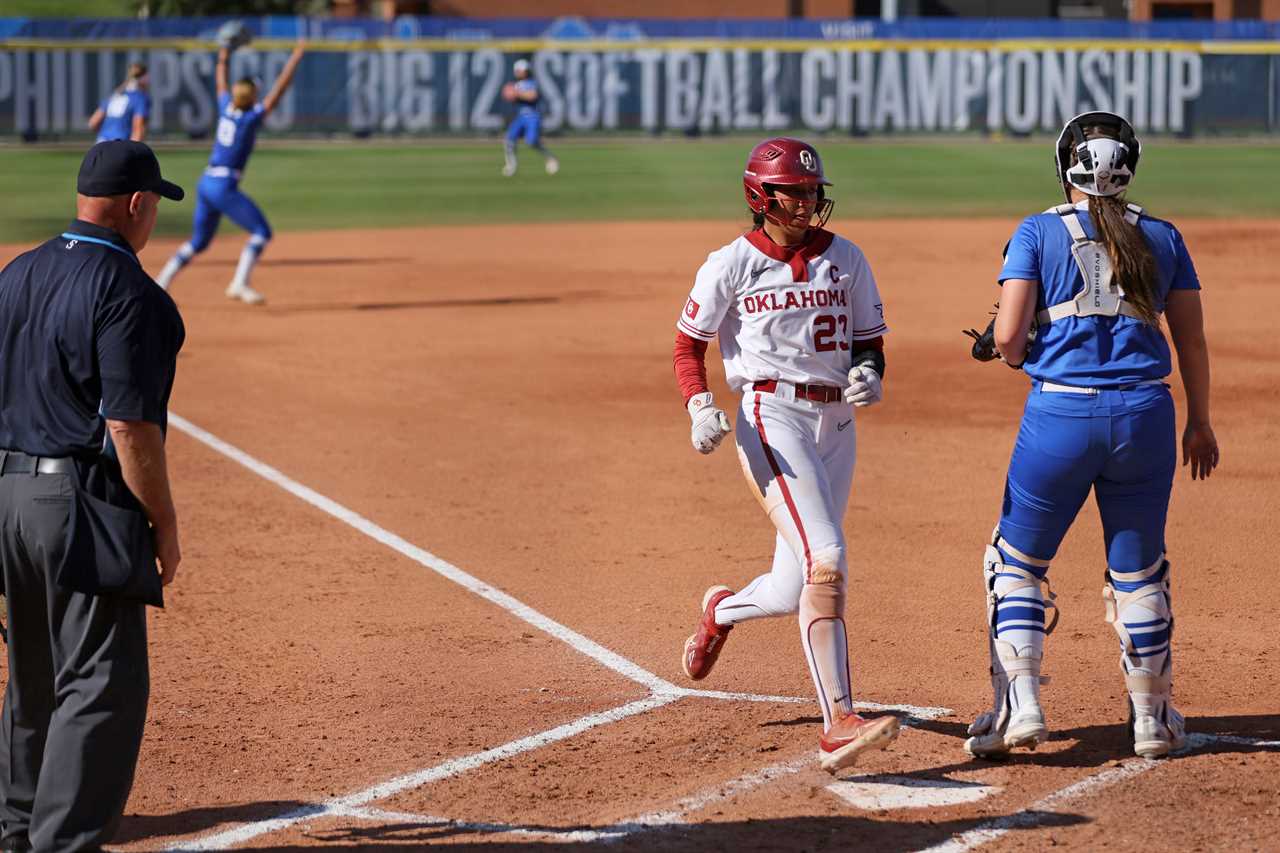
<point x="1100" y="296"/>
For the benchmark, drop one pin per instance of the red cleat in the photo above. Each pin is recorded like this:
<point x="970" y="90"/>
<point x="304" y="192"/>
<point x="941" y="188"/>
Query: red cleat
<point x="702" y="649"/>
<point x="851" y="736"/>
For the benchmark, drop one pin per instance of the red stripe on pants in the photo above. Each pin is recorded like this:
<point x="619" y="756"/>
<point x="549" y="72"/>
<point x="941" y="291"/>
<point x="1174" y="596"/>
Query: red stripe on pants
<point x="786" y="492"/>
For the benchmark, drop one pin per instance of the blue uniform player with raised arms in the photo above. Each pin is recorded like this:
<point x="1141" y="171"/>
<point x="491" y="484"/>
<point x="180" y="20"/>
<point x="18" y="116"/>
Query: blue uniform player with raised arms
<point x="240" y="116"/>
<point x="528" y="121"/>
<point x="1095" y="275"/>
<point x="124" y="115"/>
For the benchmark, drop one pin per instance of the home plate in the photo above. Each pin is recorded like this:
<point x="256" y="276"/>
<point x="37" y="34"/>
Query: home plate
<point x="903" y="792"/>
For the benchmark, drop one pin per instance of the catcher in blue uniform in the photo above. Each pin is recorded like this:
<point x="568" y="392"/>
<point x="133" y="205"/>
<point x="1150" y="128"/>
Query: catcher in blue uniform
<point x="1094" y="277"/>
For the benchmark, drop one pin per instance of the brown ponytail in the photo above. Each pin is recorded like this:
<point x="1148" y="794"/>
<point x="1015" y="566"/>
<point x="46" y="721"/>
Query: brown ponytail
<point x="1132" y="264"/>
<point x="1133" y="267"/>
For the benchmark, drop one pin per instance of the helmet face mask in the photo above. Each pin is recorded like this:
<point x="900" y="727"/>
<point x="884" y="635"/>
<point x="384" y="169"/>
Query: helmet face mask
<point x="784" y="162"/>
<point x="1105" y="163"/>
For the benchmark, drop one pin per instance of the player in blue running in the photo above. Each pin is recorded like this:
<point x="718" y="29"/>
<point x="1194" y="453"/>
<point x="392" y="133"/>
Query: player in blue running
<point x="240" y="116"/>
<point x="528" y="120"/>
<point x="124" y="115"/>
<point x="1095" y="275"/>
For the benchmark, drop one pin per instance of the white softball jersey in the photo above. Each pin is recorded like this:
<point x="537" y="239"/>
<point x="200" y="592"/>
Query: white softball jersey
<point x="791" y="315"/>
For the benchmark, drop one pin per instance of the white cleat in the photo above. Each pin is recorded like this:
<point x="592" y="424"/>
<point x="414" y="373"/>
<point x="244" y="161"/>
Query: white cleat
<point x="553" y="165"/>
<point x="245" y="294"/>
<point x="1026" y="727"/>
<point x="1154" y="739"/>
<point x="508" y="170"/>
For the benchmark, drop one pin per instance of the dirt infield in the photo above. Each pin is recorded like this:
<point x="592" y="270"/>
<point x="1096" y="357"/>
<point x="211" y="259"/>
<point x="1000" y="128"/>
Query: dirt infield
<point x="503" y="399"/>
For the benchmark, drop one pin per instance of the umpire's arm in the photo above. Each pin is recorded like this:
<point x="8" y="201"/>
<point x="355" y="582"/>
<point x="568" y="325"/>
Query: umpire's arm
<point x="139" y="333"/>
<point x="140" y="448"/>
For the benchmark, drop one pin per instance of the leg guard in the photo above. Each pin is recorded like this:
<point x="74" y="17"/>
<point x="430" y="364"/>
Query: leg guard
<point x="826" y="644"/>
<point x="1015" y="604"/>
<point x="1139" y="607"/>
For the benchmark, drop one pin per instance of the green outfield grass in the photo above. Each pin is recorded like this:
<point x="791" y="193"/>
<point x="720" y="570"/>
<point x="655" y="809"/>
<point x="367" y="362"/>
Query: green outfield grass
<point x="351" y="185"/>
<point x="66" y="9"/>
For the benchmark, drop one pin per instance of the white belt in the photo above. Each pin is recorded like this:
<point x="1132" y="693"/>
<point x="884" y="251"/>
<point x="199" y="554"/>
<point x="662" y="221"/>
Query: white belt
<point x="1055" y="388"/>
<point x="222" y="172"/>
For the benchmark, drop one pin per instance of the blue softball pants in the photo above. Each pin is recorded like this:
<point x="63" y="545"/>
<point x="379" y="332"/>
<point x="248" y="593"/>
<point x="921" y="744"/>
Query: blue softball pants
<point x="216" y="196"/>
<point x="528" y="124"/>
<point x="1118" y="443"/>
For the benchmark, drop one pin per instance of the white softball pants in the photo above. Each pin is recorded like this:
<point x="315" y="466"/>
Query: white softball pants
<point x="798" y="457"/>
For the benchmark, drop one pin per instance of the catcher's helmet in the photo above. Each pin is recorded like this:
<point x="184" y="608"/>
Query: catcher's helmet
<point x="786" y="162"/>
<point x="1105" y="164"/>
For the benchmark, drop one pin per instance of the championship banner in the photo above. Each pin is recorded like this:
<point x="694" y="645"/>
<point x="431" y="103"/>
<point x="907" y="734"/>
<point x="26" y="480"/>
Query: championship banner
<point x="864" y="87"/>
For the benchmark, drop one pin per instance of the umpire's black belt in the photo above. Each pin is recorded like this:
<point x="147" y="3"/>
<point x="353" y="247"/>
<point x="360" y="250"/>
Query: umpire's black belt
<point x="17" y="462"/>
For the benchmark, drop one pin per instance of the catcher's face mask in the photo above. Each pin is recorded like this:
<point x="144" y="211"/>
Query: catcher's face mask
<point x="1104" y="164"/>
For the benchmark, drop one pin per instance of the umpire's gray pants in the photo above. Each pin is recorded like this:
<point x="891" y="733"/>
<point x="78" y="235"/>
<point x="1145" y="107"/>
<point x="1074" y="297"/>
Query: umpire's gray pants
<point x="76" y="701"/>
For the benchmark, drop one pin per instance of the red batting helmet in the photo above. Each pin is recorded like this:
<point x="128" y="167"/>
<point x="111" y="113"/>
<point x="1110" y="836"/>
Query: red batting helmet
<point x="784" y="161"/>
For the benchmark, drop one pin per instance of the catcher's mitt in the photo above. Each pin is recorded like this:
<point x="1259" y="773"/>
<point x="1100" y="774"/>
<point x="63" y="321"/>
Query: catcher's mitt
<point x="984" y="342"/>
<point x="233" y="34"/>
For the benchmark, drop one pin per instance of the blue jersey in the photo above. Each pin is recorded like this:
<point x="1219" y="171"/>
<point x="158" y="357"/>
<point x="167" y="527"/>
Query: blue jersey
<point x="523" y="88"/>
<point x="235" y="134"/>
<point x="1098" y="350"/>
<point x="120" y="110"/>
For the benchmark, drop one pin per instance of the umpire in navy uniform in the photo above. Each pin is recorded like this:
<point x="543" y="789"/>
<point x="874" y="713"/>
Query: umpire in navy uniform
<point x="88" y="533"/>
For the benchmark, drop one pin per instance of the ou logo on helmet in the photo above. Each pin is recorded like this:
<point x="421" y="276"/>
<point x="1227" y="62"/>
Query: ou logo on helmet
<point x="808" y="160"/>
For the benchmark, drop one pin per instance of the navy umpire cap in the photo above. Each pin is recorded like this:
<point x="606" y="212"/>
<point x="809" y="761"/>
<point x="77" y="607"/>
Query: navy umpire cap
<point x="121" y="167"/>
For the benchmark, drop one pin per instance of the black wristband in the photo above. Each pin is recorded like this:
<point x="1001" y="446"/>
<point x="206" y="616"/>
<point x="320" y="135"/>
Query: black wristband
<point x="873" y="358"/>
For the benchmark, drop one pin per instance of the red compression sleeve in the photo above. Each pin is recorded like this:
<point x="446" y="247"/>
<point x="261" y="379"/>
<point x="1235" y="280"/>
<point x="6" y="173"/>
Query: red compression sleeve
<point x="690" y="362"/>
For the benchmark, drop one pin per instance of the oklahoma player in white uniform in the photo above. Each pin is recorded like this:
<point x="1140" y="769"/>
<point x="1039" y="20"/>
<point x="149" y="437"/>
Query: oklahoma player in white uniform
<point x="800" y="323"/>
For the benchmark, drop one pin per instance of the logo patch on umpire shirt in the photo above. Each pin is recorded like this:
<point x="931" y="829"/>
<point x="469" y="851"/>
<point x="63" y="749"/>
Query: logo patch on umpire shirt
<point x="691" y="309"/>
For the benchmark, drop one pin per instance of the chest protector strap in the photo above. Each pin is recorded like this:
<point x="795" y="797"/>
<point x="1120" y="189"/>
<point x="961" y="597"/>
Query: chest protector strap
<point x="1100" y="296"/>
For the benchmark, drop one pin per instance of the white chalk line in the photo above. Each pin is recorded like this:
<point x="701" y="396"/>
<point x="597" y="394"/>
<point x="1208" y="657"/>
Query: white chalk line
<point x="1196" y="740"/>
<point x="662" y="693"/>
<point x="487" y="827"/>
<point x="688" y="805"/>
<point x="664" y="819"/>
<point x="1033" y="816"/>
<point x="240" y="834"/>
